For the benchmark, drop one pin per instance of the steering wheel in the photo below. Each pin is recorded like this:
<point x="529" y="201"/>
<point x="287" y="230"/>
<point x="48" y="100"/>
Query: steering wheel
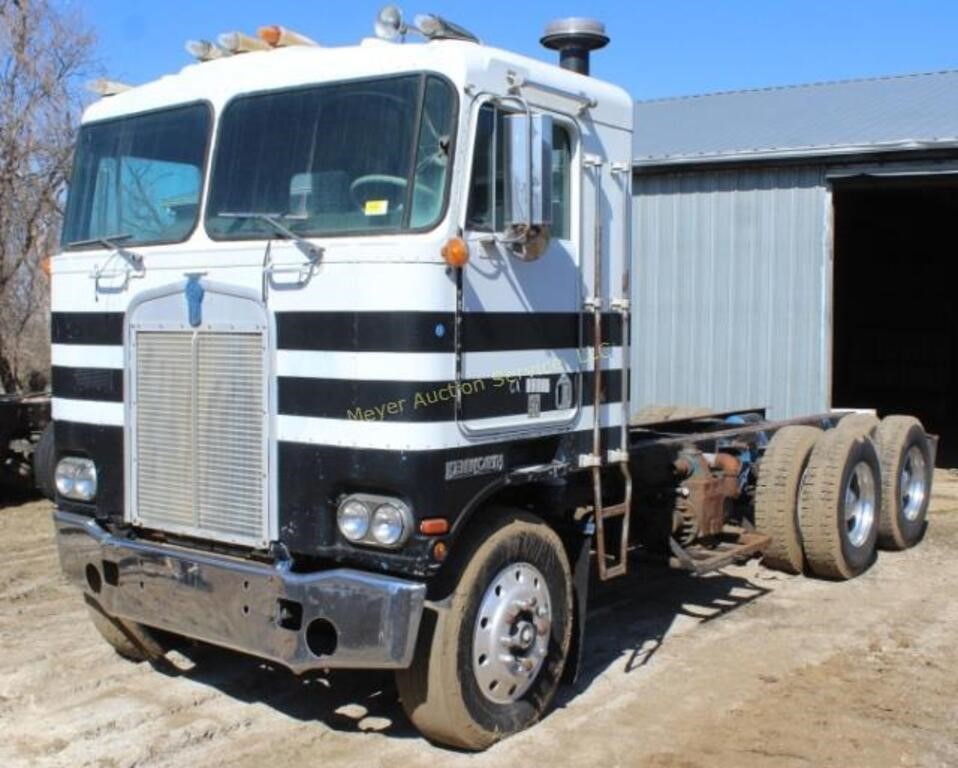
<point x="382" y="179"/>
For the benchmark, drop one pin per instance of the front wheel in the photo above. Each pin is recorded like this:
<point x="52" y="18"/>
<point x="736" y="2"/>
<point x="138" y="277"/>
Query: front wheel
<point x="490" y="663"/>
<point x="130" y="640"/>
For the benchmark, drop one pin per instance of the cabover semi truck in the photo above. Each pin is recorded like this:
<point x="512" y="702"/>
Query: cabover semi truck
<point x="341" y="347"/>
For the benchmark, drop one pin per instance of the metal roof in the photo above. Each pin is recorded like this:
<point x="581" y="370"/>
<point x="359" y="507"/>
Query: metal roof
<point x="917" y="111"/>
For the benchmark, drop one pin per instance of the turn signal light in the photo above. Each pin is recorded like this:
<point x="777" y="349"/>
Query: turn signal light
<point x="434" y="526"/>
<point x="455" y="252"/>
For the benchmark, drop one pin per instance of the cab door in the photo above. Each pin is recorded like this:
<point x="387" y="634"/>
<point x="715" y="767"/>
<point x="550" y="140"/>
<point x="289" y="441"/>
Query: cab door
<point x="520" y="336"/>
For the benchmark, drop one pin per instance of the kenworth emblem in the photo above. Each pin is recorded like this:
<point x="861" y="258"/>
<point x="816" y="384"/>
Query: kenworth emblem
<point x="479" y="465"/>
<point x="194" y="292"/>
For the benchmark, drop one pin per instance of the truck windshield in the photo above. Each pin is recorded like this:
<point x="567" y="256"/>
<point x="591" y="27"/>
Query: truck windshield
<point x="363" y="157"/>
<point x="140" y="176"/>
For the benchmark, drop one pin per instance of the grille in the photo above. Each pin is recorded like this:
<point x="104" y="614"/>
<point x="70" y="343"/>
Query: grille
<point x="199" y="442"/>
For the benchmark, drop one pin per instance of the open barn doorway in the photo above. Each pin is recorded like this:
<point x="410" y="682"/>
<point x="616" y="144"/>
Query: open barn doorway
<point x="895" y="345"/>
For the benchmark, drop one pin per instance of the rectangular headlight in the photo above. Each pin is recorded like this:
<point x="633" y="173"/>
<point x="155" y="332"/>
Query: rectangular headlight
<point x="76" y="478"/>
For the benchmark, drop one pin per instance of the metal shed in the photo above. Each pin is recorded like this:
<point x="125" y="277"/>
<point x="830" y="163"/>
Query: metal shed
<point x="793" y="248"/>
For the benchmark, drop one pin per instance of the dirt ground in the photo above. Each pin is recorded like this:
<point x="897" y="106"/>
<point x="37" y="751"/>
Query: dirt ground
<point x="745" y="668"/>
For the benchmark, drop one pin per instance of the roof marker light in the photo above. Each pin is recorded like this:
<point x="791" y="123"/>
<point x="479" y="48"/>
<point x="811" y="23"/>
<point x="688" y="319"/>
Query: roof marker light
<point x="103" y="87"/>
<point x="389" y="23"/>
<point x="436" y="27"/>
<point x="280" y="37"/>
<point x="204" y="50"/>
<point x="237" y="42"/>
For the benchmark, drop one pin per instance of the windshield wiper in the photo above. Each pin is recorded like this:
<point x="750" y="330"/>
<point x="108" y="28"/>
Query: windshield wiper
<point x="310" y="251"/>
<point x="134" y="260"/>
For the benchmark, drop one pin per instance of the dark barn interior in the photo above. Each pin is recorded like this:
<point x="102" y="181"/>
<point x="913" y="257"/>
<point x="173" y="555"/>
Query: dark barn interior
<point x="895" y="345"/>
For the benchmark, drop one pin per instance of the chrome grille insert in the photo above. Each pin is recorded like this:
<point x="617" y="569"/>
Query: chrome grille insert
<point x="199" y="433"/>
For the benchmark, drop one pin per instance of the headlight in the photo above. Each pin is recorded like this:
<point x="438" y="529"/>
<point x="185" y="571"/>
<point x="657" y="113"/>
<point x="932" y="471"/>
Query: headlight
<point x="375" y="520"/>
<point x="388" y="524"/>
<point x="353" y="519"/>
<point x="76" y="478"/>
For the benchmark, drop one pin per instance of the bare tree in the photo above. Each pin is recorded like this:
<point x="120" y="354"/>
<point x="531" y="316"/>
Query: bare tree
<point x="45" y="53"/>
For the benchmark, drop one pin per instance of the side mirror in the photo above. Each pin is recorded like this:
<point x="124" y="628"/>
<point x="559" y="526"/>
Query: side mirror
<point x="528" y="182"/>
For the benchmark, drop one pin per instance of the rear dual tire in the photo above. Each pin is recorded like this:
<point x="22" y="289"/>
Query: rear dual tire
<point x="861" y="423"/>
<point x="907" y="466"/>
<point x="776" y="495"/>
<point x="839" y="504"/>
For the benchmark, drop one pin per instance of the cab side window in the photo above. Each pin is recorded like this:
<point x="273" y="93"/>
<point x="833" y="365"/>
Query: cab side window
<point x="485" y="208"/>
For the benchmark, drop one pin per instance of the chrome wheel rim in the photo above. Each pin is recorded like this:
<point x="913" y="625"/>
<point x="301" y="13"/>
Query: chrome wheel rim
<point x="511" y="636"/>
<point x="913" y="485"/>
<point x="860" y="504"/>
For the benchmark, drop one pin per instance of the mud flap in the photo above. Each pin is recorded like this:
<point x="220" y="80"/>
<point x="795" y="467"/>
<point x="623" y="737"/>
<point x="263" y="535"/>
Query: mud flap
<point x="580" y="587"/>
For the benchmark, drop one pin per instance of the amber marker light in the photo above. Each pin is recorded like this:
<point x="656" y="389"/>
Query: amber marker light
<point x="280" y="37"/>
<point x="434" y="526"/>
<point x="439" y="551"/>
<point x="46" y="265"/>
<point x="455" y="252"/>
<point x="270" y="35"/>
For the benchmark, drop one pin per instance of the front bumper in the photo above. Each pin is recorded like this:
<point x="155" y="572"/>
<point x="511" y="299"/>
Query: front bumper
<point x="290" y="618"/>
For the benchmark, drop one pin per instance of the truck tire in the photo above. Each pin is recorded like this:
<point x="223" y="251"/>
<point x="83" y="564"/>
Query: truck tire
<point x="862" y="423"/>
<point x="44" y="457"/>
<point x="906" y="468"/>
<point x="130" y="640"/>
<point x="467" y="687"/>
<point x="780" y="476"/>
<point x="839" y="503"/>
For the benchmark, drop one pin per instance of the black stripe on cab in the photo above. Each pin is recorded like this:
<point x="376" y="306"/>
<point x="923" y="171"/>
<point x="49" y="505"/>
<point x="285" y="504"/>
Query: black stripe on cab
<point x="435" y="331"/>
<point x="503" y="331"/>
<point x="104" y="328"/>
<point x="429" y="401"/>
<point x="366" y="331"/>
<point x="611" y="330"/>
<point x="87" y="383"/>
<point x="507" y="331"/>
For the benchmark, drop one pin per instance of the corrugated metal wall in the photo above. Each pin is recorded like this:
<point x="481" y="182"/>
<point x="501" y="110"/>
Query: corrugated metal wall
<point x="730" y="284"/>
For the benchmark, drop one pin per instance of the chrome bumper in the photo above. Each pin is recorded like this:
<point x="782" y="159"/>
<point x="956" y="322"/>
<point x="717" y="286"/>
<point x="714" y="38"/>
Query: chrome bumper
<point x="250" y="607"/>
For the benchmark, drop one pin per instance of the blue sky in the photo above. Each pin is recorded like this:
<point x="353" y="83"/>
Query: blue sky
<point x="658" y="49"/>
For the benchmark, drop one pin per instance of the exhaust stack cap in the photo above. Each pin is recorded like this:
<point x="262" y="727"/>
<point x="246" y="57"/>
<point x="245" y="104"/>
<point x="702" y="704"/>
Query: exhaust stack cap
<point x="574" y="39"/>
